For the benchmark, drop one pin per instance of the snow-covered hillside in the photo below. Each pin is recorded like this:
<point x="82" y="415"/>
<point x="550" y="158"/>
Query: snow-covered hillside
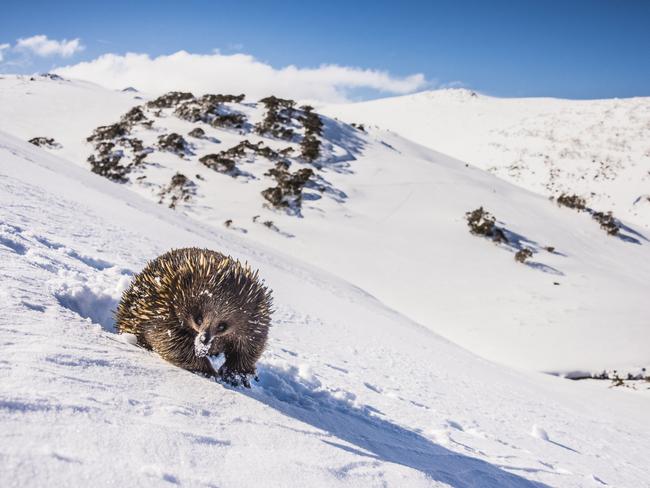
<point x="599" y="149"/>
<point x="350" y="392"/>
<point x="380" y="212"/>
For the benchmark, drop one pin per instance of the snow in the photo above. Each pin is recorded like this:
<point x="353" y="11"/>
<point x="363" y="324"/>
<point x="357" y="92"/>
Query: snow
<point x="539" y="433"/>
<point x="392" y="222"/>
<point x="201" y="347"/>
<point x="351" y="390"/>
<point x="599" y="149"/>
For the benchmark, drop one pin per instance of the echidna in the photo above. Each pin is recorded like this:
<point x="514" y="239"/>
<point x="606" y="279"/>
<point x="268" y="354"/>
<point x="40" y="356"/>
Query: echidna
<point x="192" y="303"/>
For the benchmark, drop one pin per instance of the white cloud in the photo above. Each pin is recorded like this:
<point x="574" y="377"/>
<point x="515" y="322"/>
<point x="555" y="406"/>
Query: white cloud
<point x="44" y="47"/>
<point x="235" y="73"/>
<point x="2" y="48"/>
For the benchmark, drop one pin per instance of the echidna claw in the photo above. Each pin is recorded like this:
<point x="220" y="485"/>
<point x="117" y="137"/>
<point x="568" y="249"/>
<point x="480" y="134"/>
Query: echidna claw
<point x="234" y="378"/>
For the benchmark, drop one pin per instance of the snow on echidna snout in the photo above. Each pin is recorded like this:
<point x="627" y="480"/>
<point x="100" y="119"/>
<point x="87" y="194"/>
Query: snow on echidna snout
<point x="191" y="303"/>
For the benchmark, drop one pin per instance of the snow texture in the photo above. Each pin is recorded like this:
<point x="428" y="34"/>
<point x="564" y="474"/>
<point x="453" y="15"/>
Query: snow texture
<point x="599" y="149"/>
<point x="388" y="216"/>
<point x="351" y="391"/>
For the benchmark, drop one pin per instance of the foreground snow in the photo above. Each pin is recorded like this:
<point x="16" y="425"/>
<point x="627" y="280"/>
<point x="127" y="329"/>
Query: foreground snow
<point x="599" y="149"/>
<point x="350" y="392"/>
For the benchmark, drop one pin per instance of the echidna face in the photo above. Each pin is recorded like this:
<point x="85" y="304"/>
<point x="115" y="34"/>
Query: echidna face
<point x="219" y="304"/>
<point x="212" y="321"/>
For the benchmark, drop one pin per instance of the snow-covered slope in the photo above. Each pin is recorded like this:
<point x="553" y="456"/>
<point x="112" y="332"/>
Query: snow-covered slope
<point x="599" y="149"/>
<point x="388" y="216"/>
<point x="350" y="392"/>
<point x="41" y="106"/>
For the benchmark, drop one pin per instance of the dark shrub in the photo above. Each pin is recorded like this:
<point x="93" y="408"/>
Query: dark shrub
<point x="134" y="116"/>
<point x="47" y="142"/>
<point x="572" y="201"/>
<point x="217" y="162"/>
<point x="310" y="148"/>
<point x="107" y="163"/>
<point x="277" y="119"/>
<point x="180" y="189"/>
<point x="607" y="222"/>
<point x="108" y="132"/>
<point x="523" y="254"/>
<point x="288" y="192"/>
<point x="173" y="142"/>
<point x="480" y="222"/>
<point x="196" y="132"/>
<point x="171" y="99"/>
<point x="313" y="124"/>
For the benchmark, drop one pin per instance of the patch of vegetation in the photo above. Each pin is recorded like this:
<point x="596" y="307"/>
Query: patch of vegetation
<point x="209" y="109"/>
<point x="239" y="151"/>
<point x="47" y="142"/>
<point x="180" y="189"/>
<point x="310" y="148"/>
<point x="106" y="162"/>
<point x="607" y="222"/>
<point x="174" y="143"/>
<point x="482" y="223"/>
<point x="111" y="142"/>
<point x="288" y="192"/>
<point x="523" y="254"/>
<point x="226" y="161"/>
<point x="135" y="116"/>
<point x="572" y="201"/>
<point x="277" y="120"/>
<point x="618" y="379"/>
<point x="218" y="163"/>
<point x="136" y="147"/>
<point x="310" y="145"/>
<point x="197" y="132"/>
<point x="108" y="132"/>
<point x="170" y="99"/>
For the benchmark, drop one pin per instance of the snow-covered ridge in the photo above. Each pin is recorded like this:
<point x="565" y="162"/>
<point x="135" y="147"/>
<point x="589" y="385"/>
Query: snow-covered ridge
<point x="598" y="149"/>
<point x="350" y="392"/>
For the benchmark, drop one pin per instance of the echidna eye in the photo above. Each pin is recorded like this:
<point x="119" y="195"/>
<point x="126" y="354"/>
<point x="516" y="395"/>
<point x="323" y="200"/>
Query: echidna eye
<point x="222" y="326"/>
<point x="198" y="319"/>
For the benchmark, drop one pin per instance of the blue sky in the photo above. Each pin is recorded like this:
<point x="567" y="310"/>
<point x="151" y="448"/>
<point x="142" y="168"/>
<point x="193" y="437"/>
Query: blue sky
<point x="573" y="49"/>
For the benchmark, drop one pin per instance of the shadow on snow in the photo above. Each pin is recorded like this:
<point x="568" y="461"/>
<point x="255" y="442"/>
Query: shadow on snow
<point x="358" y="430"/>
